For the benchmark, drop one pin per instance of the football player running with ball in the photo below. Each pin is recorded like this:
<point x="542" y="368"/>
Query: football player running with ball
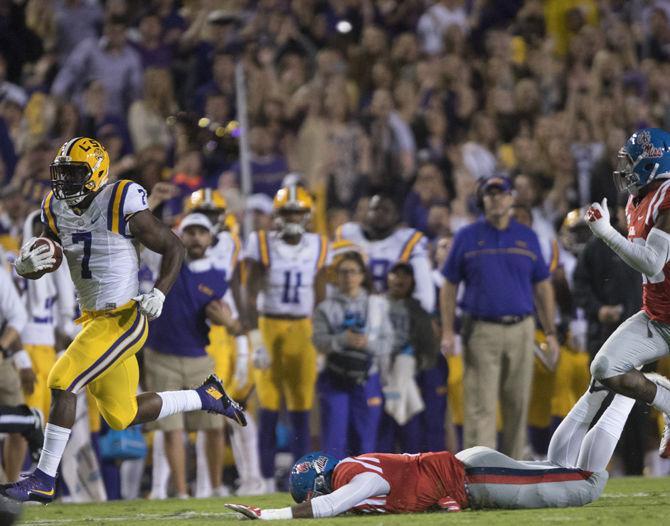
<point x="99" y="226"/>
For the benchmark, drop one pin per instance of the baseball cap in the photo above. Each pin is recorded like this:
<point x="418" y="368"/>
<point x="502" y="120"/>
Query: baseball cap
<point x="260" y="203"/>
<point x="195" y="219"/>
<point x="497" y="181"/>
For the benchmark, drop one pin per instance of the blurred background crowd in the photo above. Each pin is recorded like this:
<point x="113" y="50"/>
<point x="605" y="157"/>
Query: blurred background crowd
<point x="419" y="99"/>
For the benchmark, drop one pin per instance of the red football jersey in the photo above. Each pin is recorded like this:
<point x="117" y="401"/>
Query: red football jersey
<point x="641" y="215"/>
<point x="418" y="482"/>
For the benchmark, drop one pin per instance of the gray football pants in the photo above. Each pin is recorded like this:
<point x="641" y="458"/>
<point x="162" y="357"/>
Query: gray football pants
<point x="498" y="481"/>
<point x="636" y="342"/>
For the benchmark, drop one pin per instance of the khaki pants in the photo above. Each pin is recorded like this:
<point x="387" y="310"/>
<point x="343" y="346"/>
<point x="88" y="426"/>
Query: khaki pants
<point x="498" y="368"/>
<point x="167" y="372"/>
<point x="10" y="384"/>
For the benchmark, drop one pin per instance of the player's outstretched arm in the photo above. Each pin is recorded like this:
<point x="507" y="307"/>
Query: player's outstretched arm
<point x="649" y="257"/>
<point x="363" y="486"/>
<point x="154" y="235"/>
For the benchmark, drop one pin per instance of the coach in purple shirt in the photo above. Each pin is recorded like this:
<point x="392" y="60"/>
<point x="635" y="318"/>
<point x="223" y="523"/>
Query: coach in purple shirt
<point x="175" y="356"/>
<point x="506" y="280"/>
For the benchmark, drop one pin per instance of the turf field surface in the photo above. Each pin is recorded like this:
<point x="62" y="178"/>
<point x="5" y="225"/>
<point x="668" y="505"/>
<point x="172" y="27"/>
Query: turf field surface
<point x="634" y="501"/>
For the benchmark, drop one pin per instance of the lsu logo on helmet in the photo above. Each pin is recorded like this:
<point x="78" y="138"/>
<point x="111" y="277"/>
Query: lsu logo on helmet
<point x="80" y="168"/>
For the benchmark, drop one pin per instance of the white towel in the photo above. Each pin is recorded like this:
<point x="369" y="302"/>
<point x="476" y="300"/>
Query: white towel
<point x="402" y="398"/>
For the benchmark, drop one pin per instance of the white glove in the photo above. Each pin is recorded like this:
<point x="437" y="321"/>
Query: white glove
<point x="30" y="261"/>
<point x="259" y="354"/>
<point x="598" y="218"/>
<point x="151" y="304"/>
<point x="241" y="375"/>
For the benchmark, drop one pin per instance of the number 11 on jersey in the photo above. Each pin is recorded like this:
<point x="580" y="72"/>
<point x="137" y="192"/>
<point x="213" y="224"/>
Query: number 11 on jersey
<point x="292" y="283"/>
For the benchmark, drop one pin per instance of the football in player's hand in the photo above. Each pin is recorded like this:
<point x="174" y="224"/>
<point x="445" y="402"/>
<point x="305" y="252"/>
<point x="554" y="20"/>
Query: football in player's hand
<point x="56" y="252"/>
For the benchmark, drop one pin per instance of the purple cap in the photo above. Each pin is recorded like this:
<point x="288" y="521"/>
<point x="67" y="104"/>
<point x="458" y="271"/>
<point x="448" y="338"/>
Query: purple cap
<point x="497" y="181"/>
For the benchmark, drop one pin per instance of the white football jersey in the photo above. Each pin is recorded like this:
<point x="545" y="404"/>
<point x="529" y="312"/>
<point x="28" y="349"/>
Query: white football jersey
<point x="226" y="252"/>
<point x="100" y="250"/>
<point x="406" y="245"/>
<point x="290" y="272"/>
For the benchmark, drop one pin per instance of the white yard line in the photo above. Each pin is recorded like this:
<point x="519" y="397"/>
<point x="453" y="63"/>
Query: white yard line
<point x="128" y="518"/>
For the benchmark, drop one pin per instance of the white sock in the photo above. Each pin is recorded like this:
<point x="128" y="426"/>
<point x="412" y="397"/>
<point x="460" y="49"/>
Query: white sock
<point x="131" y="477"/>
<point x="662" y="400"/>
<point x="55" y="440"/>
<point x="600" y="441"/>
<point x="160" y="471"/>
<point x="567" y="439"/>
<point x="244" y="443"/>
<point x="203" y="486"/>
<point x="179" y="402"/>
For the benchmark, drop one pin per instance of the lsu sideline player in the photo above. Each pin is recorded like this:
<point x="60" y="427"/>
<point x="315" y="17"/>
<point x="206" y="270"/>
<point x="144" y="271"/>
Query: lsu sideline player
<point x="230" y="351"/>
<point x="386" y="243"/>
<point x="99" y="226"/>
<point x="285" y="270"/>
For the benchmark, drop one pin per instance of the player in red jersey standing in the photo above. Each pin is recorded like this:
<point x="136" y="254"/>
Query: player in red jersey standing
<point x="643" y="171"/>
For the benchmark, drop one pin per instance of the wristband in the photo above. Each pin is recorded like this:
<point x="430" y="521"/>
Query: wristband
<point x="255" y="339"/>
<point x="278" y="514"/>
<point x="242" y="347"/>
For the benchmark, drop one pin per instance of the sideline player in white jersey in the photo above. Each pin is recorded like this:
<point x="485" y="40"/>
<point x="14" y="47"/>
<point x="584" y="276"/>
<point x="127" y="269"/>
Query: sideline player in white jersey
<point x="285" y="270"/>
<point x="99" y="226"/>
<point x="230" y="351"/>
<point x="386" y="243"/>
<point x="50" y="303"/>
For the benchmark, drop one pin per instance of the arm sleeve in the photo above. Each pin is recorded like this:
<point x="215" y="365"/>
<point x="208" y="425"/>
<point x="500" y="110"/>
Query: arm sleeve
<point x="11" y="306"/>
<point x="648" y="258"/>
<point x="360" y="488"/>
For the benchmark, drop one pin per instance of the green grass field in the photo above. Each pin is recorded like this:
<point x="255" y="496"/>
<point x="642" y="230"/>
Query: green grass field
<point x="633" y="501"/>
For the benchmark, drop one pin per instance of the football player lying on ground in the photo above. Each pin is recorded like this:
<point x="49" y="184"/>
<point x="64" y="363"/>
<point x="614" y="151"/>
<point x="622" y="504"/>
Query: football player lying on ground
<point x="475" y="478"/>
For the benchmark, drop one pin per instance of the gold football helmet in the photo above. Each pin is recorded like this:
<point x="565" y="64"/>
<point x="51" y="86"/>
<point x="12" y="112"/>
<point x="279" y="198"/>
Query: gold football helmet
<point x="574" y="232"/>
<point x="293" y="210"/>
<point x="205" y="199"/>
<point x="209" y="202"/>
<point x="80" y="168"/>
